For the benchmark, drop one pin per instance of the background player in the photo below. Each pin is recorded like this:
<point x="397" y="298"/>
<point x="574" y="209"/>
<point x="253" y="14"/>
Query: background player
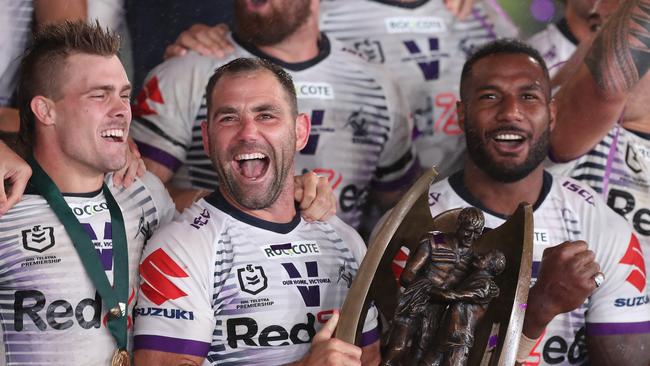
<point x="507" y="114"/>
<point x="253" y="280"/>
<point x="360" y="134"/>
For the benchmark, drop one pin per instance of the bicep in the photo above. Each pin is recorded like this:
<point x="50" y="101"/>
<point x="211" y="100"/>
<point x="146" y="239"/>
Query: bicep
<point x="620" y="349"/>
<point x="159" y="358"/>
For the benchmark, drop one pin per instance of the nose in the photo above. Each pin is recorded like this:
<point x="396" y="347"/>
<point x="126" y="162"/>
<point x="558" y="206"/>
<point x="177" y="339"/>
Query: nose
<point x="121" y="107"/>
<point x="248" y="130"/>
<point x="509" y="109"/>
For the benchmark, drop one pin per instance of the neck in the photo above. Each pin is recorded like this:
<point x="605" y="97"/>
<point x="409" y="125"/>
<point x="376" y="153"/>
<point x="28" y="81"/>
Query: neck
<point x="577" y="24"/>
<point x="300" y="46"/>
<point x="281" y="211"/>
<point x="639" y="125"/>
<point x="69" y="177"/>
<point x="502" y="198"/>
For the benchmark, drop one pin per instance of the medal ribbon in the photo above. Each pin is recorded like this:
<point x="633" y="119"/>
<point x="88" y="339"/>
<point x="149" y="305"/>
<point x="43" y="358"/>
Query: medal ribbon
<point x="112" y="296"/>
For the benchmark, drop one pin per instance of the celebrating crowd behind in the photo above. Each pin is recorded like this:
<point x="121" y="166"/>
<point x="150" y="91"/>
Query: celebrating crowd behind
<point x="217" y="215"/>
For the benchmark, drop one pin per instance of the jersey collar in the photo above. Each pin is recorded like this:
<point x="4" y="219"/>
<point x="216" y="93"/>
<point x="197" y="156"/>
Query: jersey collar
<point x="324" y="49"/>
<point x="457" y="183"/>
<point x="412" y="5"/>
<point x="216" y="199"/>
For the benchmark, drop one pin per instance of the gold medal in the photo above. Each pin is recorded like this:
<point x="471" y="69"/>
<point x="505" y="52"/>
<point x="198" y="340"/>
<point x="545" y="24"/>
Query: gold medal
<point x="121" y="358"/>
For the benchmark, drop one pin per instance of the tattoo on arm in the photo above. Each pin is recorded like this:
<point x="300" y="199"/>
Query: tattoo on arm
<point x="620" y="54"/>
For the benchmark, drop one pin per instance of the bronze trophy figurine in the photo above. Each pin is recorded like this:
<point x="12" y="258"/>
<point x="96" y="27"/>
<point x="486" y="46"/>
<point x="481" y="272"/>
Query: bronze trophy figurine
<point x="464" y="291"/>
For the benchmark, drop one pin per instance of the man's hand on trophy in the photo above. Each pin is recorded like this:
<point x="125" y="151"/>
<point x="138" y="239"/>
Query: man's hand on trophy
<point x="328" y="351"/>
<point x="565" y="280"/>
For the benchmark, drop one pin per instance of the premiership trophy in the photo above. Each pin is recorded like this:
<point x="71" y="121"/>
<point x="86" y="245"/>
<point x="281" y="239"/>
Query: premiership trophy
<point x="464" y="294"/>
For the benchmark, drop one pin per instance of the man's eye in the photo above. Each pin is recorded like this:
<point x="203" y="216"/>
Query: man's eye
<point x="529" y="96"/>
<point x="265" y="116"/>
<point x="487" y="96"/>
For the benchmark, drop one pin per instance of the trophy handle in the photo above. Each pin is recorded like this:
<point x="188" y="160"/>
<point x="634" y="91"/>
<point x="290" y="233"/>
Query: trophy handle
<point x="353" y="306"/>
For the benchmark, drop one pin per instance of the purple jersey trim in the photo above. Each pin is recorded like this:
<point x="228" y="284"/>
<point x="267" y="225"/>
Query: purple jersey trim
<point x="404" y="181"/>
<point x="173" y="345"/>
<point x="617" y="328"/>
<point x="370" y="337"/>
<point x="158" y="156"/>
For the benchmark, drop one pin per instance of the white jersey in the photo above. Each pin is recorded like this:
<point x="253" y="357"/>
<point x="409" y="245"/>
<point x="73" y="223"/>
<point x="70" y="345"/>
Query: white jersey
<point x="16" y="20"/>
<point x="51" y="312"/>
<point x="569" y="210"/>
<point x="238" y="290"/>
<point x="424" y="47"/>
<point x="360" y="133"/>
<point x="618" y="168"/>
<point x="556" y="44"/>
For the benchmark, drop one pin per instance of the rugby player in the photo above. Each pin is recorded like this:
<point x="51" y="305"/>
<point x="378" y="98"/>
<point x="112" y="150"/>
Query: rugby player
<point x="241" y="279"/>
<point x="360" y="131"/>
<point x="507" y="114"/>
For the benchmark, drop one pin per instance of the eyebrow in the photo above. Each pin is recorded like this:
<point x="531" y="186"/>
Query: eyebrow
<point x="533" y="86"/>
<point x="108" y="88"/>
<point x="266" y="107"/>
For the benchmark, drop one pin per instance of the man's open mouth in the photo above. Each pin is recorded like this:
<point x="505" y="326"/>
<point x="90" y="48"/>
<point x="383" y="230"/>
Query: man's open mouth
<point x="113" y="135"/>
<point x="253" y="165"/>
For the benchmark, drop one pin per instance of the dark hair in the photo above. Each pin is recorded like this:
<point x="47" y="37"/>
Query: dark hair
<point x="42" y="65"/>
<point x="471" y="217"/>
<point x="250" y="65"/>
<point x="499" y="46"/>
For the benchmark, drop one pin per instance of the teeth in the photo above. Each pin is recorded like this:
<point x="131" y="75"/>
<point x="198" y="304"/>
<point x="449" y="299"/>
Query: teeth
<point x="112" y="133"/>
<point x="508" y="137"/>
<point x="252" y="156"/>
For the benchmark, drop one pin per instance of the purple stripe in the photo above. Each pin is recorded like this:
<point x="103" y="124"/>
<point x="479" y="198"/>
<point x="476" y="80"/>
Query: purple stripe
<point x="158" y="155"/>
<point x="617" y="328"/>
<point x="400" y="183"/>
<point x="370" y="337"/>
<point x="173" y="345"/>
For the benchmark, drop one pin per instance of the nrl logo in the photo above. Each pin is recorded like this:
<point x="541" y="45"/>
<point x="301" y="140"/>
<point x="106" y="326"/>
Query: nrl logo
<point x="252" y="279"/>
<point x="38" y="239"/>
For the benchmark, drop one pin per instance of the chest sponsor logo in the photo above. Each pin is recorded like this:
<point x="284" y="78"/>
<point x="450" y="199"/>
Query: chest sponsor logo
<point x="634" y="258"/>
<point x="291" y="250"/>
<point x="88" y="209"/>
<point x="247" y="331"/>
<point x="426" y="55"/>
<point x="556" y="350"/>
<point x="38" y="238"/>
<point x="156" y="271"/>
<point x="415" y="25"/>
<point x="624" y="203"/>
<point x="59" y="314"/>
<point x="164" y="313"/>
<point x="314" y="90"/>
<point x="541" y="237"/>
<point x="631" y="302"/>
<point x="201" y="220"/>
<point x="252" y="279"/>
<point x="308" y="286"/>
<point x="371" y="50"/>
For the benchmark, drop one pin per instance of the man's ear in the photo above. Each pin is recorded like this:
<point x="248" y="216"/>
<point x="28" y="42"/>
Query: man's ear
<point x="303" y="126"/>
<point x="206" y="138"/>
<point x="552" y="118"/>
<point x="43" y="109"/>
<point x="460" y="111"/>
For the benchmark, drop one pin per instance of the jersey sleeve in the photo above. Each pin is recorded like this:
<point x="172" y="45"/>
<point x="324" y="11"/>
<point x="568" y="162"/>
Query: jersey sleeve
<point x="370" y="332"/>
<point x="397" y="165"/>
<point x="620" y="305"/>
<point x="167" y="106"/>
<point x="174" y="310"/>
<point x="161" y="198"/>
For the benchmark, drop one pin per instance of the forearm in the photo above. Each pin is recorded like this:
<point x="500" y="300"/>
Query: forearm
<point x="537" y="315"/>
<point x="620" y="54"/>
<point x="622" y="349"/>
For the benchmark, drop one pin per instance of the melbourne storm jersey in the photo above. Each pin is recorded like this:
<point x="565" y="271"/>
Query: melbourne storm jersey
<point x="618" y="168"/>
<point x="360" y="134"/>
<point x="570" y="210"/>
<point x="424" y="47"/>
<point x="51" y="312"/>
<point x="556" y="44"/>
<point x="239" y="290"/>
